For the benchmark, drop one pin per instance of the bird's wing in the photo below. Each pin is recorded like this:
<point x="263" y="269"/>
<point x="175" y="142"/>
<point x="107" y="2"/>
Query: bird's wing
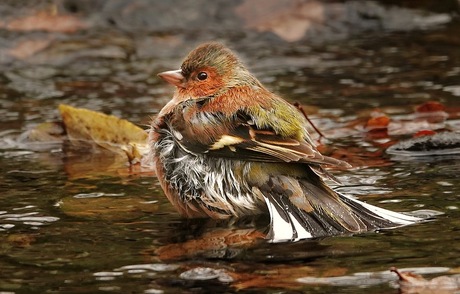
<point x="248" y="142"/>
<point x="239" y="137"/>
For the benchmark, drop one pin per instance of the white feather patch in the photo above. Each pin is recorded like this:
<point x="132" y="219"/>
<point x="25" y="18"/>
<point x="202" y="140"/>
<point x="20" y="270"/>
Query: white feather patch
<point x="226" y="140"/>
<point x="279" y="228"/>
<point x="302" y="233"/>
<point x="396" y="217"/>
<point x="282" y="230"/>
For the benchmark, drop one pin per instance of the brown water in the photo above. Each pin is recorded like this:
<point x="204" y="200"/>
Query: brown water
<point x="75" y="222"/>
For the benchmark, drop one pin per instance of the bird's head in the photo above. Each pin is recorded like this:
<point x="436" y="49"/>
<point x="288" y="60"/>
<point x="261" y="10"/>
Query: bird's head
<point x="208" y="69"/>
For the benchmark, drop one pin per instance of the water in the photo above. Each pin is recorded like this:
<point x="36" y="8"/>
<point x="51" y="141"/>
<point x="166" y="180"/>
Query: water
<point x="85" y="223"/>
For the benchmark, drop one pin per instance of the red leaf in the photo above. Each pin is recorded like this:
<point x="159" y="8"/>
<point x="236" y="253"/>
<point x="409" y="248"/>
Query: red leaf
<point x="378" y="122"/>
<point x="430" y="106"/>
<point x="424" y="133"/>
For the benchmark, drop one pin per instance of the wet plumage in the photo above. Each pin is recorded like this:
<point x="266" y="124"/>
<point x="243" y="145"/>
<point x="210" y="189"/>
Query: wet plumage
<point x="225" y="146"/>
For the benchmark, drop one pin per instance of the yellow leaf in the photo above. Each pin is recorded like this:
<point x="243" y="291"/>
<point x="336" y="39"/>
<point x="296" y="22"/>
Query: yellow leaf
<point x="107" y="131"/>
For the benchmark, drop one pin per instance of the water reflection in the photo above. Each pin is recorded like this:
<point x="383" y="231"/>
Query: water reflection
<point x="28" y="218"/>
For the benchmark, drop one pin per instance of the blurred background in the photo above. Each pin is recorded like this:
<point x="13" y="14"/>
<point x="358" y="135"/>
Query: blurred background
<point x="104" y="54"/>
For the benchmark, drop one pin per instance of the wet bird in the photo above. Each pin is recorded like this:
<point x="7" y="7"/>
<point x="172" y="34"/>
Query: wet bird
<point x="225" y="146"/>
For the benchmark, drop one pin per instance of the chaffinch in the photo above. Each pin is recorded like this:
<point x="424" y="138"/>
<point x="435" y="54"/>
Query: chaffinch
<point x="225" y="146"/>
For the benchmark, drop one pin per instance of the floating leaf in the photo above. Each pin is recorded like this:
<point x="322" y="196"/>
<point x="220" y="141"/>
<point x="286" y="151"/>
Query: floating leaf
<point x="107" y="131"/>
<point x="377" y="126"/>
<point x="431" y="111"/>
<point x="378" y="122"/>
<point x="430" y="106"/>
<point x="424" y="133"/>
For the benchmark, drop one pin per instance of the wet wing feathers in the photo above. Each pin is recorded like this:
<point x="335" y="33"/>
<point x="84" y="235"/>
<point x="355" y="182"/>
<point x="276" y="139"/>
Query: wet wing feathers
<point x="238" y="137"/>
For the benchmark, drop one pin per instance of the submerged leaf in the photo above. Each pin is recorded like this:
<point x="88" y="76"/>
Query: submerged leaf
<point x="104" y="206"/>
<point x="216" y="243"/>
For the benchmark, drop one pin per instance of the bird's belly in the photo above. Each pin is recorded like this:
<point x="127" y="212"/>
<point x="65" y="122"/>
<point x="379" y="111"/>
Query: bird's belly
<point x="217" y="184"/>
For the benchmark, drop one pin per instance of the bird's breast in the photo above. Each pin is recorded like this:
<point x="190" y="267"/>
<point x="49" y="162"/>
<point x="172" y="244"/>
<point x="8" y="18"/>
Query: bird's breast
<point x="217" y="184"/>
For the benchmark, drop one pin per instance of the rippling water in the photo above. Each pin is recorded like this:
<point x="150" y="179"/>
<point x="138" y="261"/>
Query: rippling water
<point x="83" y="223"/>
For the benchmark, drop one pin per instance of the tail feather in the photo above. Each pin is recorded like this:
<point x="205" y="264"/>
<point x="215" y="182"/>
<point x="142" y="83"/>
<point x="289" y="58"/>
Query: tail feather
<point x="331" y="213"/>
<point x="285" y="224"/>
<point x="379" y="217"/>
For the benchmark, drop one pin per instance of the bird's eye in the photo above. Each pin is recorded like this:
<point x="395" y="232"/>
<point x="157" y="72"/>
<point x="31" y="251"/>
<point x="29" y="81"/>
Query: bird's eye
<point x="202" y="76"/>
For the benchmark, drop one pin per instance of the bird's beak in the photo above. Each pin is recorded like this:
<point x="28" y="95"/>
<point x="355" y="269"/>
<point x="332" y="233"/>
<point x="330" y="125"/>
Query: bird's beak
<point x="174" y="77"/>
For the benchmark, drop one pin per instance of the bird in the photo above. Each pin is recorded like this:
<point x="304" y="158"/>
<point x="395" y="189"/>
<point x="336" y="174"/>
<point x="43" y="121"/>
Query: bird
<point x="225" y="146"/>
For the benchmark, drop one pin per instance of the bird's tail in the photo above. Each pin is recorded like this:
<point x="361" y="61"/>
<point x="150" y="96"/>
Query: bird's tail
<point x="318" y="211"/>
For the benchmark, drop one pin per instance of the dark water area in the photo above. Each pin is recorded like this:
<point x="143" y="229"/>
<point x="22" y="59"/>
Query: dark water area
<point x="82" y="221"/>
